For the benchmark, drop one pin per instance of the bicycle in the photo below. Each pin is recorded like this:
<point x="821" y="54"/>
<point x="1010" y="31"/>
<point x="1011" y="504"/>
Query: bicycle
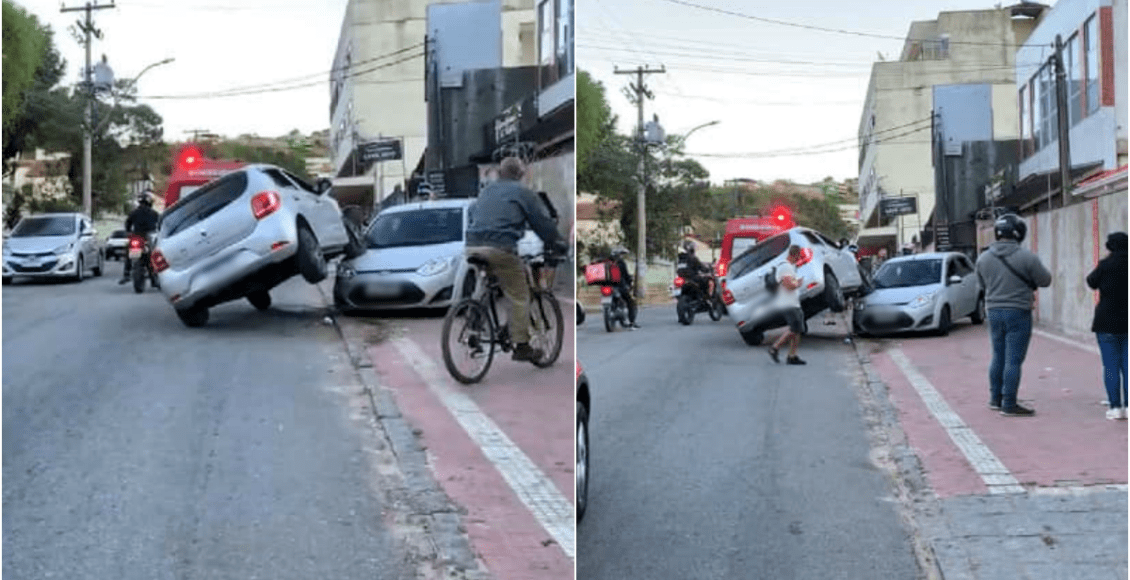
<point x="474" y="323"/>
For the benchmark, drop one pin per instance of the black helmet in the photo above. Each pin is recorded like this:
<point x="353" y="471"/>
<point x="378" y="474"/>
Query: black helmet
<point x="688" y="247"/>
<point x="1010" y="227"/>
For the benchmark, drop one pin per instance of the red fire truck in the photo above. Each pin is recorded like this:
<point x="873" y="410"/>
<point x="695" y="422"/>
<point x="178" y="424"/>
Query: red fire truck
<point x="742" y="233"/>
<point x="191" y="170"/>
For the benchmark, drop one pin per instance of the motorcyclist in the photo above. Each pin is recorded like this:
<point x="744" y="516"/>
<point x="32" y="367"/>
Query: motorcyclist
<point x="694" y="271"/>
<point x="625" y="285"/>
<point x="498" y="219"/>
<point x="143" y="222"/>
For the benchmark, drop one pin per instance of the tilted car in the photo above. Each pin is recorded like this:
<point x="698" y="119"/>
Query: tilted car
<point x="54" y="245"/>
<point x="921" y="292"/>
<point x="413" y="259"/>
<point x="830" y="274"/>
<point x="243" y="234"/>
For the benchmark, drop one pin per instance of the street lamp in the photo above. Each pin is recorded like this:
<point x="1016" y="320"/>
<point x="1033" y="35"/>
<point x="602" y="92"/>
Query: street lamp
<point x="88" y="142"/>
<point x="684" y="136"/>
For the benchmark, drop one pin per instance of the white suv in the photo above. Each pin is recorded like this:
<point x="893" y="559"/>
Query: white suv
<point x="830" y="273"/>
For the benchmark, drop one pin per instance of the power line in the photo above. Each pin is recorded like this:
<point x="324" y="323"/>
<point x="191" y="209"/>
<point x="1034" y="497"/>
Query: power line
<point x="815" y="150"/>
<point x="761" y="103"/>
<point x="255" y="91"/>
<point x="826" y="29"/>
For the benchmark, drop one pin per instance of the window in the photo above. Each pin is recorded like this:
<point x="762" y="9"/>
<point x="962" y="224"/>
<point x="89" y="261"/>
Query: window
<point x="545" y="29"/>
<point x="1025" y="123"/>
<point x="1074" y="71"/>
<point x="1045" y="119"/>
<point x="564" y="43"/>
<point x="908" y="273"/>
<point x="759" y="255"/>
<point x="204" y="202"/>
<point x="1091" y="52"/>
<point x="44" y="226"/>
<point x="277" y="177"/>
<point x="416" y="228"/>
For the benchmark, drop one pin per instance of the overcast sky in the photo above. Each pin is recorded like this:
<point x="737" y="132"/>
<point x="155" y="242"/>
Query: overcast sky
<point x="216" y="47"/>
<point x="717" y="71"/>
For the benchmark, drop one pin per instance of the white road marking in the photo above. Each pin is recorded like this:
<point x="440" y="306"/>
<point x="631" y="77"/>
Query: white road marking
<point x="995" y="475"/>
<point x="1081" y="346"/>
<point x="537" y="492"/>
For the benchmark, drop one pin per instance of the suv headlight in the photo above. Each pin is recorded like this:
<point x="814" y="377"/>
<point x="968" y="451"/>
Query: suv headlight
<point x="924" y="299"/>
<point x="434" y="266"/>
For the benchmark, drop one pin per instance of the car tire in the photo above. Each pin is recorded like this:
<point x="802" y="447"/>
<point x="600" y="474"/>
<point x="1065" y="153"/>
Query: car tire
<point x="715" y="310"/>
<point x="754" y="338"/>
<point x="581" y="468"/>
<point x="978" y="315"/>
<point x="356" y="245"/>
<point x="580" y="314"/>
<point x="833" y="294"/>
<point x="98" y="269"/>
<point x="194" y="317"/>
<point x="80" y="270"/>
<point x="260" y="299"/>
<point x="311" y="260"/>
<point x="945" y="322"/>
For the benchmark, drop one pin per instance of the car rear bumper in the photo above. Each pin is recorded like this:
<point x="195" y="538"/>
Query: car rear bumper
<point x="210" y="280"/>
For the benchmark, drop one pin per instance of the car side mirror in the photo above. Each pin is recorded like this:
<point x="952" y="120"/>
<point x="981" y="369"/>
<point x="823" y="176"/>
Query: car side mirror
<point x="955" y="279"/>
<point x="323" y="185"/>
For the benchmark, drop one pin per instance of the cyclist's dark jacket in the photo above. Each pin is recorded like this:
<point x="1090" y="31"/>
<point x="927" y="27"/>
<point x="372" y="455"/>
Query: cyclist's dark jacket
<point x="142" y="220"/>
<point x="500" y="214"/>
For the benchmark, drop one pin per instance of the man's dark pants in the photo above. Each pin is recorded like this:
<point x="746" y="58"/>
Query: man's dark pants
<point x="1010" y="330"/>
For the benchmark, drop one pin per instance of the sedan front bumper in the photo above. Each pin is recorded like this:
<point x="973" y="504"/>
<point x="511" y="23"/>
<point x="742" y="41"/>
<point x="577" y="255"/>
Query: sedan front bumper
<point x="41" y="266"/>
<point x="395" y="290"/>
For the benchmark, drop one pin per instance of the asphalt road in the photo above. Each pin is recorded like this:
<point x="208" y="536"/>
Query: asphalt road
<point x="137" y="448"/>
<point x="710" y="461"/>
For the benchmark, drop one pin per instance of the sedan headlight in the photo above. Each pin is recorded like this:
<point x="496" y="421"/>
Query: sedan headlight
<point x="924" y="299"/>
<point x="63" y="249"/>
<point x="434" y="266"/>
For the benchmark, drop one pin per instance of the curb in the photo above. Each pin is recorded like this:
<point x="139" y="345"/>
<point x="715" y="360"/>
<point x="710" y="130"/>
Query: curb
<point x="434" y="523"/>
<point x="894" y="457"/>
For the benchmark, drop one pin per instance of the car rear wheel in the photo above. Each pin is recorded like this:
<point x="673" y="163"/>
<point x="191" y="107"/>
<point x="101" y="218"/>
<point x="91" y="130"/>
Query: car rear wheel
<point x="581" y="470"/>
<point x="311" y="260"/>
<point x="753" y="338"/>
<point x="260" y="299"/>
<point x="833" y="294"/>
<point x="98" y="269"/>
<point x="193" y="317"/>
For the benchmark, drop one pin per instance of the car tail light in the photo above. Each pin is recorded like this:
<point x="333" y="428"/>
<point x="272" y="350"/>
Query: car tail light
<point x="805" y="257"/>
<point x="278" y="245"/>
<point x="605" y="290"/>
<point x="728" y="298"/>
<point x="578" y="369"/>
<point x="159" y="262"/>
<point x="811" y="286"/>
<point x="265" y="203"/>
<point x="679" y="281"/>
<point x="720" y="269"/>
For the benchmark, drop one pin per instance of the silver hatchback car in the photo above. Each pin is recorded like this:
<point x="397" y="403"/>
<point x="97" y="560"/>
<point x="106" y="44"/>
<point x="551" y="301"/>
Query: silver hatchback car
<point x="921" y="292"/>
<point x="54" y="245"/>
<point x="243" y="234"/>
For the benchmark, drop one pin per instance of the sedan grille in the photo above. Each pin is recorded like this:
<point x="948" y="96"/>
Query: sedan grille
<point x="44" y="267"/>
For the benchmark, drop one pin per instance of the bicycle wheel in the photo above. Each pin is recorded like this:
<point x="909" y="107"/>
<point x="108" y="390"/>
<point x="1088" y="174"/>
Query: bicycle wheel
<point x="468" y="341"/>
<point x="546" y="327"/>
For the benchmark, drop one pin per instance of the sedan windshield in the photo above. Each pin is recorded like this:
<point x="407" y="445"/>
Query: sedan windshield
<point x="907" y="273"/>
<point x="420" y="227"/>
<point x="45" y="226"/>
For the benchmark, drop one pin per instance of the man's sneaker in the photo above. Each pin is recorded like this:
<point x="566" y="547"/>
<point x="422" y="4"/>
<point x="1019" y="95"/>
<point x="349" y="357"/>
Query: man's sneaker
<point x="525" y="352"/>
<point x="995" y="405"/>
<point x="795" y="360"/>
<point x="1017" y="411"/>
<point x="123" y="280"/>
<point x="773" y="355"/>
<point x="1114" y="413"/>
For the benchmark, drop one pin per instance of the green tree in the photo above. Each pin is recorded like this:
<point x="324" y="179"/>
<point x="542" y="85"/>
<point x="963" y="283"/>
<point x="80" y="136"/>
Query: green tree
<point x="595" y="121"/>
<point x="25" y="41"/>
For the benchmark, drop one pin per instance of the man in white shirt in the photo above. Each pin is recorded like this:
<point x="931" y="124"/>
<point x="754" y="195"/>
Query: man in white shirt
<point x="787" y="301"/>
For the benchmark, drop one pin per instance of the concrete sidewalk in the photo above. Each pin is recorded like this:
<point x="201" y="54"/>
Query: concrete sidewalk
<point x="1006" y="498"/>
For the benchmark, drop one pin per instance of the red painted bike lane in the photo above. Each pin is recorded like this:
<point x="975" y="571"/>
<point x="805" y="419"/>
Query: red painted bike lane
<point x="532" y="407"/>
<point x="1068" y="442"/>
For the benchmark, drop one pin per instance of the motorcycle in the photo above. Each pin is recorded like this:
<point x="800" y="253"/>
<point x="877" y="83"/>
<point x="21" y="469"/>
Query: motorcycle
<point x="140" y="248"/>
<point x="691" y="299"/>
<point x="614" y="306"/>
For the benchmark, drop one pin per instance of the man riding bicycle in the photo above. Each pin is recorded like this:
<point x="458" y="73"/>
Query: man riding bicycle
<point x="499" y="217"/>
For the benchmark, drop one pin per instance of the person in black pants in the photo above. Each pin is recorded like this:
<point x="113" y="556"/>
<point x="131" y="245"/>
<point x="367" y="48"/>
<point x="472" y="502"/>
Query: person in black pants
<point x="1109" y="326"/>
<point x="625" y="286"/>
<point x="143" y="222"/>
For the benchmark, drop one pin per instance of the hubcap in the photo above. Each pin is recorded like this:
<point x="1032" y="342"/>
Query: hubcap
<point x="581" y="469"/>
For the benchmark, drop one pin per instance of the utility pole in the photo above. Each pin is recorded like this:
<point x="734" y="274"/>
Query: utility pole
<point x="196" y="133"/>
<point x="1064" y="122"/>
<point x="638" y="92"/>
<point x="88" y="114"/>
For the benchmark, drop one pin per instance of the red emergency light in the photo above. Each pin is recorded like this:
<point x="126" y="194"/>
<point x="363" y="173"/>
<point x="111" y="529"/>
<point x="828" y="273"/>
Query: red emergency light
<point x="190" y="157"/>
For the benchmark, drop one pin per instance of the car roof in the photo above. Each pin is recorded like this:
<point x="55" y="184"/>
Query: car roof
<point x="435" y="203"/>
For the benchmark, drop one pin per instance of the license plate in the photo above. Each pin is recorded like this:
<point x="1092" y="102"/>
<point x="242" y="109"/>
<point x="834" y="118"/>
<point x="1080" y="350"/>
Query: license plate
<point x="606" y="300"/>
<point x="676" y="292"/>
<point x="681" y="266"/>
<point x="381" y="291"/>
<point x="134" y="254"/>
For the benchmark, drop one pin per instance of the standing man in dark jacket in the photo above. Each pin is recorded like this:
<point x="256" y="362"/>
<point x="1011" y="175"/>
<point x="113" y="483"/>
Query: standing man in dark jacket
<point x="143" y="222"/>
<point x="1009" y="276"/>
<point x="499" y="218"/>
<point x="1109" y="326"/>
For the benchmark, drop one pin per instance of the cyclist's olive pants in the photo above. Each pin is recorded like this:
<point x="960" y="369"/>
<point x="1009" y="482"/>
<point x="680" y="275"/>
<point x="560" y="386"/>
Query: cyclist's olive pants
<point x="512" y="278"/>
